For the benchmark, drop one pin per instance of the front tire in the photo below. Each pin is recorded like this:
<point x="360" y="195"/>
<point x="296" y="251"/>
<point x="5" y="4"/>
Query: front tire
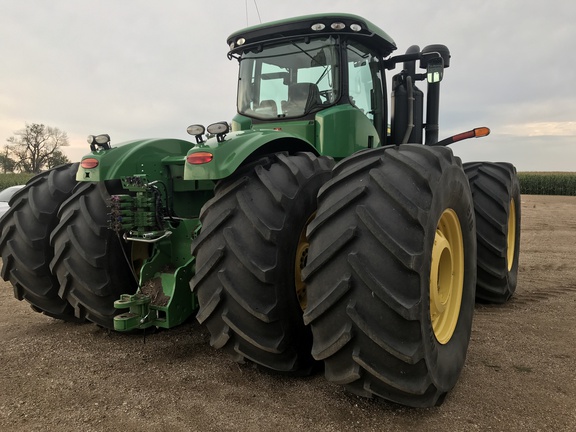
<point x="496" y="193"/>
<point x="248" y="258"/>
<point x="88" y="257"/>
<point x="25" y="241"/>
<point x="391" y="274"/>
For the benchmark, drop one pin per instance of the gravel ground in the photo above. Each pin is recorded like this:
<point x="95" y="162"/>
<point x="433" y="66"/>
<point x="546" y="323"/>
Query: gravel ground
<point x="519" y="374"/>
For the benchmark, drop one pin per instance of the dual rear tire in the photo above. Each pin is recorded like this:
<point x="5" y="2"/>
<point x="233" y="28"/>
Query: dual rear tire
<point x="249" y="256"/>
<point x="25" y="241"/>
<point x="58" y="252"/>
<point x="386" y="270"/>
<point x="391" y="274"/>
<point x="496" y="192"/>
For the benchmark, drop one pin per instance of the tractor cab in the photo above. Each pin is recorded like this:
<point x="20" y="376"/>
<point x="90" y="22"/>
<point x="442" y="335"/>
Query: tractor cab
<point x="322" y="72"/>
<point x="322" y="77"/>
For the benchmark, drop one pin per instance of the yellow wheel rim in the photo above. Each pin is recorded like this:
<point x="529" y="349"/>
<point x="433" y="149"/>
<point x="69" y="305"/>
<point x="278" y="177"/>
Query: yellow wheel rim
<point x="446" y="276"/>
<point x="511" y="234"/>
<point x="300" y="263"/>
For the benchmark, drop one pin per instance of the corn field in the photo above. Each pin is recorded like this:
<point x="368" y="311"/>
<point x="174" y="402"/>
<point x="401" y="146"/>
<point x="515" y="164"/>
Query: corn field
<point x="547" y="183"/>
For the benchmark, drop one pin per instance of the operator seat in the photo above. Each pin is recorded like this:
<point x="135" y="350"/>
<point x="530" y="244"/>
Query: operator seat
<point x="302" y="98"/>
<point x="268" y="108"/>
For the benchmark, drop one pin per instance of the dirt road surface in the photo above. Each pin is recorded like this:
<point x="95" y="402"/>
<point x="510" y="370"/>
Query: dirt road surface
<point x="520" y="374"/>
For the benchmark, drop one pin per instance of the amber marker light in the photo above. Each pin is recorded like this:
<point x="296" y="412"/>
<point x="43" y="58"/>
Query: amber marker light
<point x="481" y="132"/>
<point x="199" y="158"/>
<point x="474" y="133"/>
<point x="89" y="163"/>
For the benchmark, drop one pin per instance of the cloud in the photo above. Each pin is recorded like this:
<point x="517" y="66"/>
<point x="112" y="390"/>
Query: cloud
<point x="542" y="129"/>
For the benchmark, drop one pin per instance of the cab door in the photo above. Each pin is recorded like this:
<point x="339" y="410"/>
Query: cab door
<point x="366" y="86"/>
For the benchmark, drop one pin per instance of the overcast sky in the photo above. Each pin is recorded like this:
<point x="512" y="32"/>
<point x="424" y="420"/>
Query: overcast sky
<point x="143" y="68"/>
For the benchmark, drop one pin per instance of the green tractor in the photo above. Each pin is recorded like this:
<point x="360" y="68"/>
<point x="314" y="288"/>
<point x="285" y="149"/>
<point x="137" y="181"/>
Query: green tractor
<point x="320" y="227"/>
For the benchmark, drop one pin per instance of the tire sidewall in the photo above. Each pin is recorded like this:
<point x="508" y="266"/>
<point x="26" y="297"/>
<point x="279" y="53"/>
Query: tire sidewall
<point x="304" y="206"/>
<point x="515" y="195"/>
<point x="445" y="361"/>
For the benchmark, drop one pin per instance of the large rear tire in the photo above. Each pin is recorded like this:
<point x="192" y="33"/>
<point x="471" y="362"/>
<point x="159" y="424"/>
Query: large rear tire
<point x="496" y="193"/>
<point x="248" y="260"/>
<point x="25" y="240"/>
<point x="88" y="257"/>
<point x="391" y="274"/>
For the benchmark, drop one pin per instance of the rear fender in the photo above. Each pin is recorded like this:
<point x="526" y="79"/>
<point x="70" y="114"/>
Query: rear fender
<point x="239" y="147"/>
<point x="149" y="156"/>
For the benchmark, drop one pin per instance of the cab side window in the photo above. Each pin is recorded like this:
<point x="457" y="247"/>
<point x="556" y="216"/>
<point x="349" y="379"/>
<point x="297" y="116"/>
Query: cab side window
<point x="365" y="82"/>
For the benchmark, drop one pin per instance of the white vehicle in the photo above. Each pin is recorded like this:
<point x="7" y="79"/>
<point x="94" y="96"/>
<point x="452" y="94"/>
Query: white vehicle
<point x="5" y="196"/>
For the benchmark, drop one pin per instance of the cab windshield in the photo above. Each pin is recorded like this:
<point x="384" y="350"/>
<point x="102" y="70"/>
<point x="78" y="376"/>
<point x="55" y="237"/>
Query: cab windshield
<point x="289" y="80"/>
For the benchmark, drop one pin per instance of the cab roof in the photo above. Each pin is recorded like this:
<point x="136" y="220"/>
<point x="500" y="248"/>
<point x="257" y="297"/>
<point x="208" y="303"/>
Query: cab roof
<point x="289" y="28"/>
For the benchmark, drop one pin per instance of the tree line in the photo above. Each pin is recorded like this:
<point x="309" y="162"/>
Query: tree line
<point x="33" y="149"/>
